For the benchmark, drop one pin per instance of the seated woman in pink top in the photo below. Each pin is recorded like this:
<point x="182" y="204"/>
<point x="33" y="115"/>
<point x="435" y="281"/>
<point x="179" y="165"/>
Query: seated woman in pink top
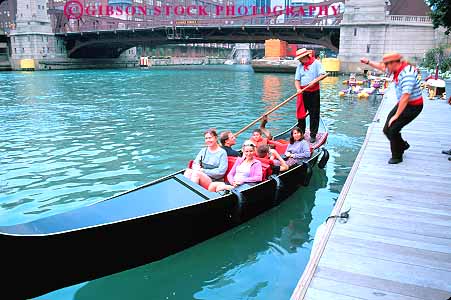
<point x="246" y="169"/>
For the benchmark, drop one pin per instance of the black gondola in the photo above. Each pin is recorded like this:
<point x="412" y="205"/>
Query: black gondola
<point x="136" y="227"/>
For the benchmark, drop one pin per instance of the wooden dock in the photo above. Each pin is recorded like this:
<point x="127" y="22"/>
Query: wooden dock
<point x="397" y="241"/>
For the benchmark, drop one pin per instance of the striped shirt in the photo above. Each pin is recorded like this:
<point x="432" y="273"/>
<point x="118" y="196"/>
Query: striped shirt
<point x="408" y="83"/>
<point x="307" y="76"/>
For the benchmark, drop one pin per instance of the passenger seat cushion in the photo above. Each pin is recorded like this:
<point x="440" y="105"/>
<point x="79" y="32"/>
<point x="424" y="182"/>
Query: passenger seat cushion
<point x="190" y="164"/>
<point x="230" y="161"/>
<point x="281" y="145"/>
<point x="266" y="167"/>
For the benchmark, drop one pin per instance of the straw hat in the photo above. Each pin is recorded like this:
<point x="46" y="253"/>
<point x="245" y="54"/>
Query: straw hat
<point x="391" y="56"/>
<point x="302" y="52"/>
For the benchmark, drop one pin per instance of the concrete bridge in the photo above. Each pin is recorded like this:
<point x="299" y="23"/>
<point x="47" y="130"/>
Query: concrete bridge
<point x="96" y="44"/>
<point x="40" y="30"/>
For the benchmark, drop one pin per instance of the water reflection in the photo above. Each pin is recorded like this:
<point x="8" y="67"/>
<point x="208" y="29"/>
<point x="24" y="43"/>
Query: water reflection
<point x="330" y="80"/>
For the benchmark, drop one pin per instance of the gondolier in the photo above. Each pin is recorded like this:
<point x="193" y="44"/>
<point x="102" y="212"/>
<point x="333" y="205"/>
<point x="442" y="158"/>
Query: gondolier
<point x="410" y="100"/>
<point x="306" y="72"/>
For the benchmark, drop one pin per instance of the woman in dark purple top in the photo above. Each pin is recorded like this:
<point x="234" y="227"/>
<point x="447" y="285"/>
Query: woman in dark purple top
<point x="298" y="147"/>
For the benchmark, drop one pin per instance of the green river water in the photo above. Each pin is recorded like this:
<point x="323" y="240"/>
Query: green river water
<point x="69" y="138"/>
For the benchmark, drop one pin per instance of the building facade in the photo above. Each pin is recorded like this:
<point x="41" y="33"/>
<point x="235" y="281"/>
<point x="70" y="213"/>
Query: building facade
<point x="371" y="28"/>
<point x="7" y="16"/>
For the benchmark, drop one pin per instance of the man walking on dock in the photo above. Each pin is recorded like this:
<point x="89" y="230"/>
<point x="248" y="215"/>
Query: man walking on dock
<point x="410" y="100"/>
<point x="308" y="70"/>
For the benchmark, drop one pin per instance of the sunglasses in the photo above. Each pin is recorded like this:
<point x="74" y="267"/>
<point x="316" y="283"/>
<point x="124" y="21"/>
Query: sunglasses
<point x="248" y="145"/>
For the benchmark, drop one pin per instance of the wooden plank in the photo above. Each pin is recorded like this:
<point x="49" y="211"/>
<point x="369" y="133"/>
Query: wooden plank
<point x="432" y="148"/>
<point x="416" y="206"/>
<point x="410" y="161"/>
<point x="400" y="213"/>
<point x="401" y="184"/>
<point x="386" y="189"/>
<point x="389" y="251"/>
<point x="388" y="235"/>
<point x="354" y="290"/>
<point x="314" y="294"/>
<point x="389" y="270"/>
<point x="409" y="226"/>
<point x="382" y="192"/>
<point x="442" y="176"/>
<point x="345" y="277"/>
<point x="414" y="179"/>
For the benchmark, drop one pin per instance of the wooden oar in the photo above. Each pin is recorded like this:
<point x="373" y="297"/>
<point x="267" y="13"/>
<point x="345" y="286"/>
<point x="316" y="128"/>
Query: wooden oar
<point x="316" y="80"/>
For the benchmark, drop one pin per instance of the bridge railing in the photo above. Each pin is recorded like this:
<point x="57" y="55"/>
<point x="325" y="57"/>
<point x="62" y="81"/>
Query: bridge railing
<point x="109" y="23"/>
<point x="401" y="19"/>
<point x="62" y="24"/>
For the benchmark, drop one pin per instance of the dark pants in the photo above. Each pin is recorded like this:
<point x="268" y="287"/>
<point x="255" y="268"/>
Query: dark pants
<point x="393" y="133"/>
<point x="311" y="103"/>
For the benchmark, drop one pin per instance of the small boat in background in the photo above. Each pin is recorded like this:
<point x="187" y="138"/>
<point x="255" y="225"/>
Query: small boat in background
<point x="229" y="62"/>
<point x="140" y="226"/>
<point x="436" y="88"/>
<point x="264" y="65"/>
<point x="374" y="85"/>
<point x="144" y="62"/>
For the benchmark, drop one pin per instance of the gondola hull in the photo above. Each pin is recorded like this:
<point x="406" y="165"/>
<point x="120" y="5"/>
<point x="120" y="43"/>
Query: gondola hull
<point x="119" y="233"/>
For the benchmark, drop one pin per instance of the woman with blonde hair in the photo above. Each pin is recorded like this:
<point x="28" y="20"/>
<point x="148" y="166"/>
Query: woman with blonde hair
<point x="246" y="170"/>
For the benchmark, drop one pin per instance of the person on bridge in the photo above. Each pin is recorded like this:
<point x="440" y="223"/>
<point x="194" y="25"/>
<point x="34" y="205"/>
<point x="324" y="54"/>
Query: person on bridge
<point x="410" y="100"/>
<point x="308" y="70"/>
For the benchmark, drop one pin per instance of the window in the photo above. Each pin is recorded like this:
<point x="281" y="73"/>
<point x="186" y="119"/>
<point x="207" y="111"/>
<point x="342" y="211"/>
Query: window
<point x="355" y="31"/>
<point x="15" y="50"/>
<point x="368" y="48"/>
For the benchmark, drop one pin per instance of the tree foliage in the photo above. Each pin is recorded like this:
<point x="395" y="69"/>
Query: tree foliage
<point x="441" y="13"/>
<point x="437" y="56"/>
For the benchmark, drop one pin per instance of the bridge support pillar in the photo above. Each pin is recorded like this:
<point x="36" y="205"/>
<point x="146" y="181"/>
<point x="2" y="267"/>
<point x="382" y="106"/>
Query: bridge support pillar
<point x="38" y="47"/>
<point x="32" y="39"/>
<point x="4" y="54"/>
<point x="243" y="53"/>
<point x="33" y="45"/>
